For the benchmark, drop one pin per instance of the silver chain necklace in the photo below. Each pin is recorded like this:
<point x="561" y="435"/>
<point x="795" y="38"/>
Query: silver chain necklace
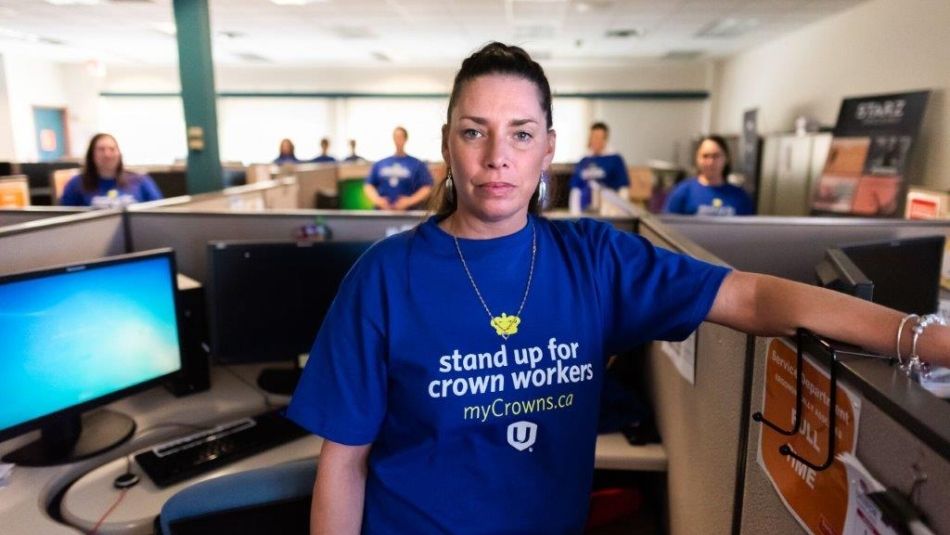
<point x="504" y="324"/>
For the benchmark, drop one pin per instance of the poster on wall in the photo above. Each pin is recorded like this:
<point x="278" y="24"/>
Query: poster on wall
<point x="864" y="172"/>
<point x="817" y="499"/>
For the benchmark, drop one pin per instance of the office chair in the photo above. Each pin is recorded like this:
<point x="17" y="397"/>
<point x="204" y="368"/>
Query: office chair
<point x="266" y="500"/>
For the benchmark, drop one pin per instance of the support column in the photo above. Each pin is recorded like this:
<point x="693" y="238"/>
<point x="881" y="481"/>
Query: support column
<point x="196" y="70"/>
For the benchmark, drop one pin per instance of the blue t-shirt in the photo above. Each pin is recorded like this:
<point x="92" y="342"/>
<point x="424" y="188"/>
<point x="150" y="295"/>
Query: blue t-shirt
<point x="692" y="198"/>
<point x="607" y="169"/>
<point x="472" y="433"/>
<point x="323" y="159"/>
<point x="286" y="159"/>
<point x="399" y="176"/>
<point x="138" y="188"/>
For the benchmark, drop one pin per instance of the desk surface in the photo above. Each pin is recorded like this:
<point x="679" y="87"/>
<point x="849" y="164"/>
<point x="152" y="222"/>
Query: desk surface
<point x="159" y="415"/>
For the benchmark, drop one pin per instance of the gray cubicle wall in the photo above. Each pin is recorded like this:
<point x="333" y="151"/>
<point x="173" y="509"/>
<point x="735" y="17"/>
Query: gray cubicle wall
<point x="790" y="247"/>
<point x="892" y="443"/>
<point x="700" y="423"/>
<point x="22" y="215"/>
<point x="901" y="425"/>
<point x="189" y="232"/>
<point x="61" y="240"/>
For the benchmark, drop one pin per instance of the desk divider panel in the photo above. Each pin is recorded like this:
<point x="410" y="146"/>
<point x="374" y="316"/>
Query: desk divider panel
<point x="885" y="445"/>
<point x="22" y="215"/>
<point x="700" y="424"/>
<point x="889" y="441"/>
<point x="790" y="247"/>
<point x="61" y="240"/>
<point x="313" y="179"/>
<point x="189" y="232"/>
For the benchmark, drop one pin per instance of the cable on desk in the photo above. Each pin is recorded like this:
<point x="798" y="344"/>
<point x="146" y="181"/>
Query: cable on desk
<point x="267" y="402"/>
<point x="95" y="529"/>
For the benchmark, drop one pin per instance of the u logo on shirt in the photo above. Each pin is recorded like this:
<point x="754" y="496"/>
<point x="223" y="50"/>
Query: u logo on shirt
<point x="521" y="435"/>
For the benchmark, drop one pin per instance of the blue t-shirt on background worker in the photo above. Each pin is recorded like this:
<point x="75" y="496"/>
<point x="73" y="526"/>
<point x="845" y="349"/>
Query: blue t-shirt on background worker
<point x="608" y="170"/>
<point x="137" y="188"/>
<point x="690" y="197"/>
<point x="399" y="176"/>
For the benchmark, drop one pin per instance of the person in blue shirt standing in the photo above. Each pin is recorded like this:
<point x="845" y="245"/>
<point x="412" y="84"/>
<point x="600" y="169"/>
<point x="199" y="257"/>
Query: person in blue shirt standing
<point x="353" y="157"/>
<point x="399" y="182"/>
<point x="104" y="181"/>
<point x="324" y="149"/>
<point x="287" y="153"/>
<point x="597" y="170"/>
<point x="708" y="193"/>
<point x="438" y="419"/>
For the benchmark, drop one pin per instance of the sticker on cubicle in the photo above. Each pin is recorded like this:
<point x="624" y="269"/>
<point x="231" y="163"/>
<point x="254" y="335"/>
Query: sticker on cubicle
<point x="817" y="499"/>
<point x="683" y="356"/>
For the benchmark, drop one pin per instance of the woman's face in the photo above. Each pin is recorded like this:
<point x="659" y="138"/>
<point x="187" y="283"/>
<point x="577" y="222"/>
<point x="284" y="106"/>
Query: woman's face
<point x="710" y="159"/>
<point x="497" y="143"/>
<point x="286" y="148"/>
<point x="106" y="156"/>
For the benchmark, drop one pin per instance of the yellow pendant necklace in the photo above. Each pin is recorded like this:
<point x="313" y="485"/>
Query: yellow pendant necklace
<point x="504" y="324"/>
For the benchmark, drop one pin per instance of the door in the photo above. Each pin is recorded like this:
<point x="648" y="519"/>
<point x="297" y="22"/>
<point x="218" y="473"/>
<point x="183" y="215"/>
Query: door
<point x="50" y="124"/>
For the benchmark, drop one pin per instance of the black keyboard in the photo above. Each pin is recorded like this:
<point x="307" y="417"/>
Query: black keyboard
<point x="209" y="449"/>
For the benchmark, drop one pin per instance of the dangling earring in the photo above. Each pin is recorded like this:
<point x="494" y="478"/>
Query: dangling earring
<point x="542" y="191"/>
<point x="449" y="186"/>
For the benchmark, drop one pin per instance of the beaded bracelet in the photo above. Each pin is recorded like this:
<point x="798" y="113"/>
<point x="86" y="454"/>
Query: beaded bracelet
<point x="900" y="331"/>
<point x="915" y="367"/>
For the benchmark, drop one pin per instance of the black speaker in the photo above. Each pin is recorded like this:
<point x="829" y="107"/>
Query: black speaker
<point x="195" y="374"/>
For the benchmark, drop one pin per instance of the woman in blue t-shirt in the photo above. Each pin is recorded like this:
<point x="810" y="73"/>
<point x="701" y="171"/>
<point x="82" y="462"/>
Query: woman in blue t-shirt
<point x="708" y="193"/>
<point x="287" y="153"/>
<point x="456" y="377"/>
<point x="104" y="181"/>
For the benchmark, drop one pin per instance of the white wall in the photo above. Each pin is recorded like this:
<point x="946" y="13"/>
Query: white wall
<point x="877" y="47"/>
<point x="30" y="83"/>
<point x="250" y="128"/>
<point x="7" y="150"/>
<point x="151" y="129"/>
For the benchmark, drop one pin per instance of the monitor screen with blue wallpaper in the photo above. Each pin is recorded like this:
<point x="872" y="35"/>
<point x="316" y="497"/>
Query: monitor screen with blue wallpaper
<point x="77" y="336"/>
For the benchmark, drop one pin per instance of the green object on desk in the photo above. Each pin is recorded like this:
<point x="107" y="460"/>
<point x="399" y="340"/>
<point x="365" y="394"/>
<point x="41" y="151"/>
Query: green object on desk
<point x="352" y="196"/>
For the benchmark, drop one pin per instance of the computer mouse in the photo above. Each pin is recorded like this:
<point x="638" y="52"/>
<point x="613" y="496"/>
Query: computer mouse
<point x="125" y="481"/>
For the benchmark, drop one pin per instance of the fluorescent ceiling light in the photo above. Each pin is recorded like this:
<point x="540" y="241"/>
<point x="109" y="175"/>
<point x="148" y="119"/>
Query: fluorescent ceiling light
<point x="728" y="27"/>
<point x="72" y="2"/>
<point x="295" y="2"/>
<point x="18" y="35"/>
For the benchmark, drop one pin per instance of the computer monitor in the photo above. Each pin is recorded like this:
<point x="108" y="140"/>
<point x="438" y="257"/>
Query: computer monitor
<point x="77" y="337"/>
<point x="267" y="300"/>
<point x="837" y="272"/>
<point x="905" y="272"/>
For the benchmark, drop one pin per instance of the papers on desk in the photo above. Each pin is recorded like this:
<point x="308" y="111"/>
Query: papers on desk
<point x="937" y="382"/>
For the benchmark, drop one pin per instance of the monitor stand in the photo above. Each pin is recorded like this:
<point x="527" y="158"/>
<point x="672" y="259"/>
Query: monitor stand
<point x="280" y="381"/>
<point x="68" y="439"/>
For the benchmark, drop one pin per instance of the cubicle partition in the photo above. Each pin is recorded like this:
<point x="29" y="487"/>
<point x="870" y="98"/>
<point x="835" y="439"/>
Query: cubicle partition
<point x="903" y="439"/>
<point x="314" y="179"/>
<point x="32" y="213"/>
<point x="189" y="232"/>
<point x="903" y="431"/>
<point x="790" y="247"/>
<point x="61" y="240"/>
<point x="699" y="422"/>
<point x="278" y="194"/>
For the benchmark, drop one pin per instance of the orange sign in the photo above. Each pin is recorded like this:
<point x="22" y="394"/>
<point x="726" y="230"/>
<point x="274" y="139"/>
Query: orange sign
<point x="818" y="500"/>
<point x="14" y="194"/>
